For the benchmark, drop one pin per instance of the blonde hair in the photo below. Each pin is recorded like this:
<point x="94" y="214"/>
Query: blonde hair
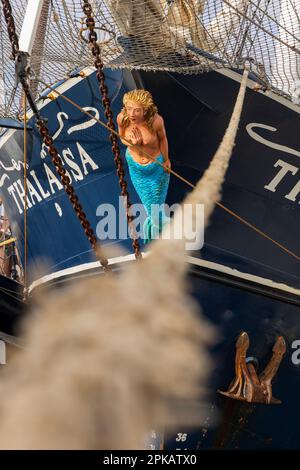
<point x="144" y="98"/>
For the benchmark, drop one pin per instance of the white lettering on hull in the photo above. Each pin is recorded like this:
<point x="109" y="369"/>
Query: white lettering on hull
<point x="48" y="183"/>
<point x="286" y="171"/>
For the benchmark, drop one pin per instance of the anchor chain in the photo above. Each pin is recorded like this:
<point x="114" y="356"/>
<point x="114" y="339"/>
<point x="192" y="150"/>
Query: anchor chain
<point x="11" y="29"/>
<point x="48" y="140"/>
<point x="90" y="23"/>
<point x="57" y="162"/>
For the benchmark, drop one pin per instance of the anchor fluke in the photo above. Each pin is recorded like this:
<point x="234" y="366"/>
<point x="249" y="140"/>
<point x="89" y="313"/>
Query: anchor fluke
<point x="248" y="385"/>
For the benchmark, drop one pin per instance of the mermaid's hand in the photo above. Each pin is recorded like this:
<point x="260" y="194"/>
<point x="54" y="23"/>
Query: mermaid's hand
<point x="136" y="136"/>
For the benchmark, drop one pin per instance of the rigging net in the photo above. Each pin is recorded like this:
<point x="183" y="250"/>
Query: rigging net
<point x="184" y="36"/>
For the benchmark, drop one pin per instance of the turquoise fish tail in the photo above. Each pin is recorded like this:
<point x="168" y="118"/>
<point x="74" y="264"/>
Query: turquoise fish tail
<point x="151" y="183"/>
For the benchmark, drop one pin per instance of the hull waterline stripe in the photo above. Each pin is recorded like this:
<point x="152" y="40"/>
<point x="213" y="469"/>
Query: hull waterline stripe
<point x="190" y="259"/>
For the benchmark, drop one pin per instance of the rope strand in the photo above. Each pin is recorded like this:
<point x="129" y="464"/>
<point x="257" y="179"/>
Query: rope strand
<point x="25" y="197"/>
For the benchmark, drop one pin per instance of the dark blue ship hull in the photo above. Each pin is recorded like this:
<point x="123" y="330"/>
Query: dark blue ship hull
<point x="196" y="120"/>
<point x="235" y="306"/>
<point x="261" y="187"/>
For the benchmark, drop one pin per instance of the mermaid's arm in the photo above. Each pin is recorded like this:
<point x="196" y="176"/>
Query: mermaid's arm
<point x="162" y="137"/>
<point x="121" y="129"/>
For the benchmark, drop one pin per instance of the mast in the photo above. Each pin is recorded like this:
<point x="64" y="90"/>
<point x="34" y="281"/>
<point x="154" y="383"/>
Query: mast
<point x="38" y="46"/>
<point x="32" y="37"/>
<point x="30" y="25"/>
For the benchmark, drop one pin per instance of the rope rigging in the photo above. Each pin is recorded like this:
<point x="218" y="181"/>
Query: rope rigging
<point x="25" y="200"/>
<point x="265" y="30"/>
<point x="182" y="36"/>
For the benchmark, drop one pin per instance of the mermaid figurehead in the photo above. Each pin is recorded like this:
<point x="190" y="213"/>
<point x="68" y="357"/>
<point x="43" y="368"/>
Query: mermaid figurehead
<point x="144" y="135"/>
<point x="138" y="107"/>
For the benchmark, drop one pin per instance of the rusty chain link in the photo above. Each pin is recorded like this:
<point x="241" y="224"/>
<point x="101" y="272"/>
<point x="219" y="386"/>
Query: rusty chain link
<point x="11" y="29"/>
<point x="90" y="23"/>
<point x="48" y="141"/>
<point x="57" y="162"/>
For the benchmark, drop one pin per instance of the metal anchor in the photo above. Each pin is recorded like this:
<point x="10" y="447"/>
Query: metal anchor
<point x="247" y="385"/>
